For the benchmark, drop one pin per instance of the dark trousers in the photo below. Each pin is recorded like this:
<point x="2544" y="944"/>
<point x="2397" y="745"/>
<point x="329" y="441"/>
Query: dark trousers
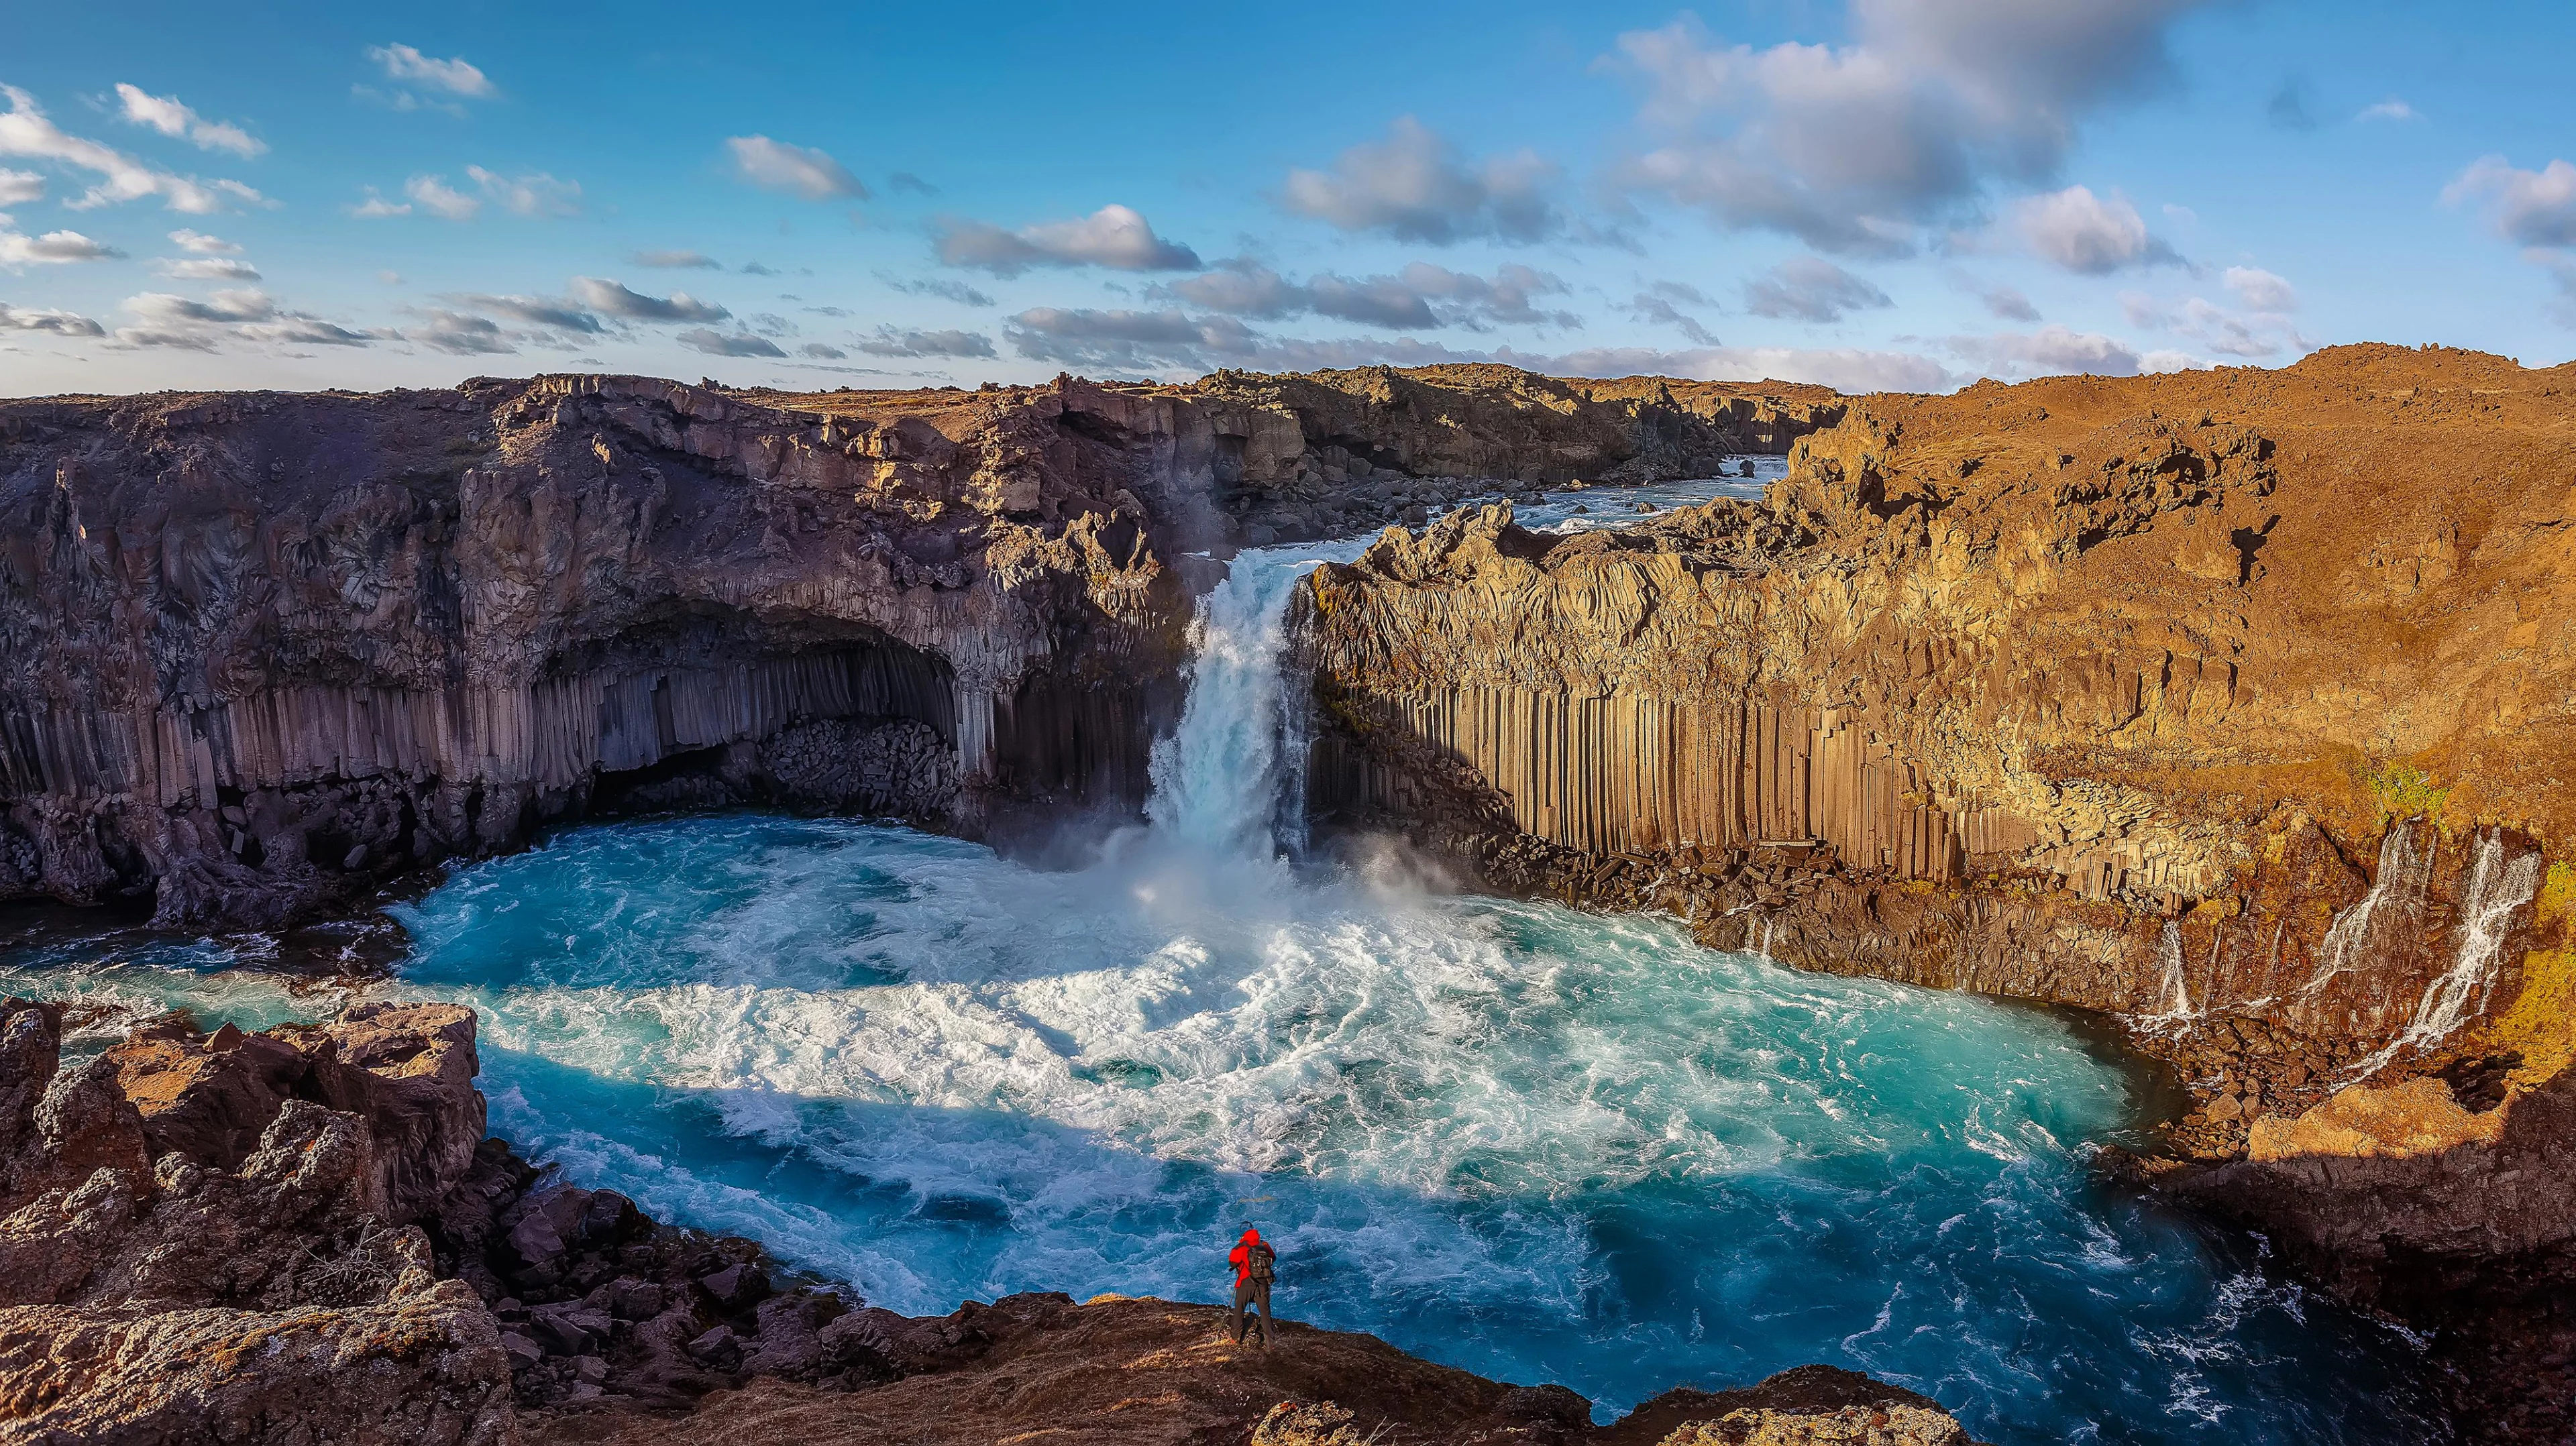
<point x="1252" y="1292"/>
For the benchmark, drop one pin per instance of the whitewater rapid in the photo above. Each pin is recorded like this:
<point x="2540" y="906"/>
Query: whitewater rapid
<point x="1533" y="1143"/>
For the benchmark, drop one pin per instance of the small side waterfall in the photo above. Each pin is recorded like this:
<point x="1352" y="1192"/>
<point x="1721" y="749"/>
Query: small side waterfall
<point x="2496" y="892"/>
<point x="2173" y="999"/>
<point x="2395" y="899"/>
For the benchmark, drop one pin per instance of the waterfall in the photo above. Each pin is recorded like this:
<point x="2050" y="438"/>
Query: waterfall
<point x="2173" y="1000"/>
<point x="2396" y="893"/>
<point x="1231" y="779"/>
<point x="2496" y="892"/>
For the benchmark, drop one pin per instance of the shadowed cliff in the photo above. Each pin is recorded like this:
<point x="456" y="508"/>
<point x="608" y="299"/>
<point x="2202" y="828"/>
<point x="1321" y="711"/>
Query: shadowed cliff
<point x="266" y="652"/>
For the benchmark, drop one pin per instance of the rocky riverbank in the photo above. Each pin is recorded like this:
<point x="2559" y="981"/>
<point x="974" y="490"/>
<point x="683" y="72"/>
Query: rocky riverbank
<point x="302" y="1235"/>
<point x="2200" y="701"/>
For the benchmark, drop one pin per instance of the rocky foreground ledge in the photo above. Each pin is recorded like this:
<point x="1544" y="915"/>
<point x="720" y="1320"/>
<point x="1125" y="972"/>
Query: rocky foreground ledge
<point x="303" y="1236"/>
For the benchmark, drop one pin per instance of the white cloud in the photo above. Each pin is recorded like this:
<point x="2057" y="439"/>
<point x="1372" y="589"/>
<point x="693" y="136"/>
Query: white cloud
<point x="2261" y="290"/>
<point x="2227" y="334"/>
<point x="546" y="314"/>
<point x="1857" y="147"/>
<point x="614" y="299"/>
<point x="2266" y="331"/>
<point x="675" y="260"/>
<point x="1657" y="304"/>
<point x="164" y="320"/>
<point x="1173" y="342"/>
<point x="2006" y="303"/>
<point x="2389" y="110"/>
<point x="2085" y="233"/>
<point x="1414" y="186"/>
<point x="795" y="170"/>
<point x="592" y="308"/>
<point x="2158" y="363"/>
<point x="939" y="286"/>
<point x="456" y="76"/>
<point x="26" y="132"/>
<point x="461" y="334"/>
<point x="2529" y="208"/>
<point x="198" y="243"/>
<point x="2048" y="350"/>
<point x="1810" y="288"/>
<point x="54" y="248"/>
<point x="891" y="342"/>
<point x="535" y="194"/>
<point x="206" y="268"/>
<point x="1420" y="297"/>
<point x="716" y="343"/>
<point x="434" y="195"/>
<point x="171" y="118"/>
<point x="58" y="323"/>
<point x="1126" y="340"/>
<point x="19" y="187"/>
<point x="1114" y="236"/>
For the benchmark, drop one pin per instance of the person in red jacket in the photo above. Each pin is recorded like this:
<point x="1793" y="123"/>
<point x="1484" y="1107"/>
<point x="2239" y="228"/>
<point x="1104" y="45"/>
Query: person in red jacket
<point x="1255" y="1264"/>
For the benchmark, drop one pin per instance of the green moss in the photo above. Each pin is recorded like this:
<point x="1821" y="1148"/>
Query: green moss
<point x="2406" y="791"/>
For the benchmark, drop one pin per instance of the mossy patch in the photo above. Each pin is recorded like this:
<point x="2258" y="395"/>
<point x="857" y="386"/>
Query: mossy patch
<point x="2541" y="1022"/>
<point x="2406" y="791"/>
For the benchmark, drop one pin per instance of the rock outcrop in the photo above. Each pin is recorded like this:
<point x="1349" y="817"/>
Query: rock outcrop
<point x="162" y="1283"/>
<point x="259" y="1295"/>
<point x="2197" y="700"/>
<point x="261" y="653"/>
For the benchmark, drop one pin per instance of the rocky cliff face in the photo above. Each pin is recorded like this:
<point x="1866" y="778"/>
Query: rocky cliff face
<point x="263" y="652"/>
<point x="172" y="1269"/>
<point x="2210" y="701"/>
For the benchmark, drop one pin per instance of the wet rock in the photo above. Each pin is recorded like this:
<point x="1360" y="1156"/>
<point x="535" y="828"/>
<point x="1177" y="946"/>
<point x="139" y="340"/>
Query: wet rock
<point x="736" y="1287"/>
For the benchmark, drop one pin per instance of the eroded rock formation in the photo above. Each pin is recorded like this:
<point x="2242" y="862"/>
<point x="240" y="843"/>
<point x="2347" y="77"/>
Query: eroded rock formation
<point x="266" y="1294"/>
<point x="260" y="653"/>
<point x="2201" y="700"/>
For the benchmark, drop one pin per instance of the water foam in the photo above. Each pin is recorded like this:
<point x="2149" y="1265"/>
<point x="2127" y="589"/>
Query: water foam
<point x="1533" y="1143"/>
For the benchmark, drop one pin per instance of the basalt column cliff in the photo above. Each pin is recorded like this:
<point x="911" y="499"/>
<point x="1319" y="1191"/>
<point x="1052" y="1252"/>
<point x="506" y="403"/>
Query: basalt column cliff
<point x="263" y="652"/>
<point x="2236" y="703"/>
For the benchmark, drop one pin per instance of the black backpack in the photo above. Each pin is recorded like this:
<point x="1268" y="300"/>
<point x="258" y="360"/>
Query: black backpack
<point x="1258" y="1263"/>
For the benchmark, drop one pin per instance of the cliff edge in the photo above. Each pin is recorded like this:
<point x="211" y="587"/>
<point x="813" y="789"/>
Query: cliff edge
<point x="2232" y="703"/>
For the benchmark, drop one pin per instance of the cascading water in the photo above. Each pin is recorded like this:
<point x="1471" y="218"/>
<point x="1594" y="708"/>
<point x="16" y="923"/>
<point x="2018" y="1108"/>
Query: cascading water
<point x="1537" y="1144"/>
<point x="2173" y="1000"/>
<point x="2496" y="893"/>
<point x="1221" y="781"/>
<point x="2389" y="909"/>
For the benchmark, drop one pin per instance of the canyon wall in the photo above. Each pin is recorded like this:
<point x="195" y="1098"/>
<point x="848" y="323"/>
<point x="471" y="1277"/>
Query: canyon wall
<point x="263" y="653"/>
<point x="2234" y="703"/>
<point x="2222" y="652"/>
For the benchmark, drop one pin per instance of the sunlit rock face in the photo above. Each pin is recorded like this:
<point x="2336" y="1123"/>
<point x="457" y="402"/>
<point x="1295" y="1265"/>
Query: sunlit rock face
<point x="1992" y="688"/>
<point x="2229" y="703"/>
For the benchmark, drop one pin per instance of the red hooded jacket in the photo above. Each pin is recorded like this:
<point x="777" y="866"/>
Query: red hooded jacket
<point x="1241" y="1257"/>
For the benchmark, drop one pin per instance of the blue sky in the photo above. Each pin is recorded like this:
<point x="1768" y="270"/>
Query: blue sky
<point x="1879" y="193"/>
